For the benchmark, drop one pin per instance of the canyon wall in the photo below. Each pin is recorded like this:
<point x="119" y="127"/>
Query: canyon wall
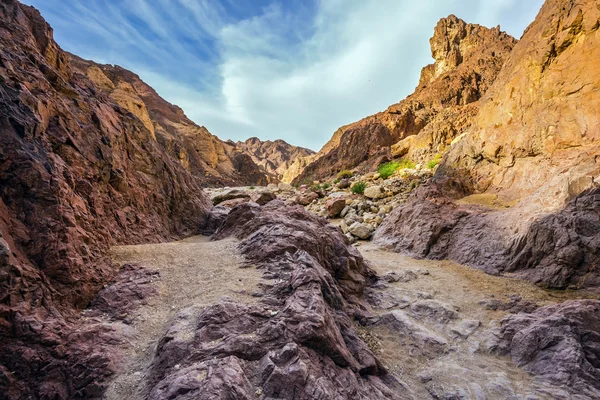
<point x="468" y="57"/>
<point x="519" y="192"/>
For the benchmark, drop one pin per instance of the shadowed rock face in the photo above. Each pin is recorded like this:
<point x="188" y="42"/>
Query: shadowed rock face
<point x="519" y="193"/>
<point x="275" y="157"/>
<point x="468" y="59"/>
<point x="299" y="341"/>
<point x="559" y="343"/>
<point x="78" y="173"/>
<point x="193" y="146"/>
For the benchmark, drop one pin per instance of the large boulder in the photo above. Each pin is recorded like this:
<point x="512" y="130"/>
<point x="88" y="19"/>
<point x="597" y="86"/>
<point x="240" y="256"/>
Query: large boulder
<point x="375" y="192"/>
<point x="335" y="206"/>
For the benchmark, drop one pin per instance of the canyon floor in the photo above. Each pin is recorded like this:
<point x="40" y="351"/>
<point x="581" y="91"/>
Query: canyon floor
<point x="434" y="317"/>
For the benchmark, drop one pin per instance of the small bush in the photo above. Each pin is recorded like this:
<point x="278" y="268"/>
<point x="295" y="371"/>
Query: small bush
<point x="345" y="174"/>
<point x="386" y="170"/>
<point x="358" y="187"/>
<point x="252" y="187"/>
<point x="325" y="186"/>
<point x="316" y="187"/>
<point x="436" y="160"/>
<point x="336" y="181"/>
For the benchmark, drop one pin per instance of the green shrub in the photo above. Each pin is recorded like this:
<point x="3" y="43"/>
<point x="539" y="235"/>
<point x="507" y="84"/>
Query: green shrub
<point x="252" y="187"/>
<point x="325" y="186"/>
<point x="336" y="181"/>
<point x="345" y="174"/>
<point x="436" y="160"/>
<point x="386" y="170"/>
<point x="316" y="187"/>
<point x="358" y="187"/>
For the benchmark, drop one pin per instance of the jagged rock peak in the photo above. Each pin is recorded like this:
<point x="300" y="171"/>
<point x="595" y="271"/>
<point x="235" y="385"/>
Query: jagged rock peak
<point x="455" y="41"/>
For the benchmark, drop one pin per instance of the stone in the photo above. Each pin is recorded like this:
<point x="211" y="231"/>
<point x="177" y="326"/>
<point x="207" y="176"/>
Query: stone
<point x="343" y="184"/>
<point x="306" y="198"/>
<point x="263" y="197"/>
<point x="374" y="192"/>
<point x="335" y="206"/>
<point x="285" y="187"/>
<point x="230" y="195"/>
<point x="360" y="230"/>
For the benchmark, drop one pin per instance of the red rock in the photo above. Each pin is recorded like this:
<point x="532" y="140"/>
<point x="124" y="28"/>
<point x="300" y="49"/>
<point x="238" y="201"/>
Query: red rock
<point x="335" y="206"/>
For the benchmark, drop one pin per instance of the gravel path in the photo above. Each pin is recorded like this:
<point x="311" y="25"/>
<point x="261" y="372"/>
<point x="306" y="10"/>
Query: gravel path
<point x="194" y="271"/>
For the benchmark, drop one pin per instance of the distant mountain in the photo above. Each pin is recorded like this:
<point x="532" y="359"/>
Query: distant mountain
<point x="275" y="157"/>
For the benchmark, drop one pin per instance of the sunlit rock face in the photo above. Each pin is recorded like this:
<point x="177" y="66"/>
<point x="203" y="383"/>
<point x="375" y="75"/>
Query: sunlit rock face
<point x="468" y="58"/>
<point x="519" y="191"/>
<point x="275" y="157"/>
<point x="196" y="149"/>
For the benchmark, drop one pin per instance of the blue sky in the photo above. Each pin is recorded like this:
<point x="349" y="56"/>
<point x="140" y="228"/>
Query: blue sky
<point x="295" y="70"/>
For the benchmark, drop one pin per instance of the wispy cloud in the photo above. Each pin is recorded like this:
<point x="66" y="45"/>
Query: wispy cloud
<point x="272" y="69"/>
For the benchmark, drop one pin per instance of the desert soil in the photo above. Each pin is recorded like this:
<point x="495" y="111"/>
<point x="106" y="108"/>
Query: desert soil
<point x="193" y="272"/>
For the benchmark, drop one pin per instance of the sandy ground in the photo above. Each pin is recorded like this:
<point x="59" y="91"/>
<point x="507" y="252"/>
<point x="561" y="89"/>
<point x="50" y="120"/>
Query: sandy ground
<point x="194" y="271"/>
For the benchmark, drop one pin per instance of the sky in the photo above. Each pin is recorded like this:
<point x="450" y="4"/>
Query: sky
<point x="287" y="69"/>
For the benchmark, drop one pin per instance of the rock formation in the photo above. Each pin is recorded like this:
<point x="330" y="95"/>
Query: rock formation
<point x="193" y="146"/>
<point x="275" y="157"/>
<point x="78" y="173"/>
<point x="519" y="192"/>
<point x="468" y="58"/>
<point x="299" y="341"/>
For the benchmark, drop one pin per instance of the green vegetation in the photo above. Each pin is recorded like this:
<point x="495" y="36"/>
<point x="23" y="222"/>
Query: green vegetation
<point x="358" y="187"/>
<point x="436" y="160"/>
<point x="252" y="187"/>
<point x="336" y="181"/>
<point x="325" y="186"/>
<point x="345" y="174"/>
<point x="386" y="170"/>
<point x="316" y="187"/>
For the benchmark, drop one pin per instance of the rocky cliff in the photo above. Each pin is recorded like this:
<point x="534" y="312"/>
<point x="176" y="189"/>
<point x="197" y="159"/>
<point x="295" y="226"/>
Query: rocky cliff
<point x="275" y="157"/>
<point x="79" y="172"/>
<point x="194" y="147"/>
<point x="468" y="58"/>
<point x="519" y="192"/>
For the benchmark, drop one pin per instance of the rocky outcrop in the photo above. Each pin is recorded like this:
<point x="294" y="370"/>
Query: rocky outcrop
<point x="519" y="192"/>
<point x="79" y="172"/>
<point x="468" y="58"/>
<point x="275" y="157"/>
<point x="558" y="343"/>
<point x="299" y="342"/>
<point x="193" y="146"/>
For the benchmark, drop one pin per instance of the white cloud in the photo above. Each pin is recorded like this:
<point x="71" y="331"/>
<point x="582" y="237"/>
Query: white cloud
<point x="278" y="74"/>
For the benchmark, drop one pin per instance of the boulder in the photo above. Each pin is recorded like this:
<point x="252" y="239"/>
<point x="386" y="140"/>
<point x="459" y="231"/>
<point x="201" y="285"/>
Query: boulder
<point x="263" y="197"/>
<point x="306" y="198"/>
<point x="285" y="187"/>
<point x="230" y="195"/>
<point x="360" y="230"/>
<point x="374" y="192"/>
<point x="335" y="206"/>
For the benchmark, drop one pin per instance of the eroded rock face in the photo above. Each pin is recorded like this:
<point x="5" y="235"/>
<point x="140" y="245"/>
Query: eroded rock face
<point x="193" y="146"/>
<point x="558" y="343"/>
<point x="519" y="193"/>
<point x="276" y="157"/>
<point x="79" y="173"/>
<point x="299" y="341"/>
<point x="468" y="59"/>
